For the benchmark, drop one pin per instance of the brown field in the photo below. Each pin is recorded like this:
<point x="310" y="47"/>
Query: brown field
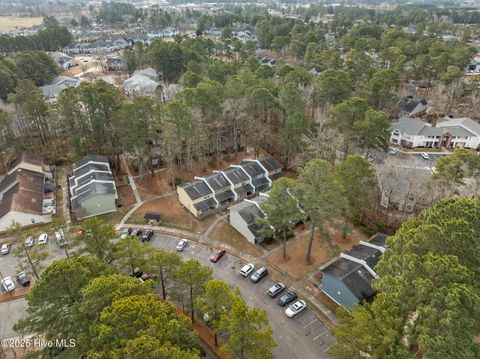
<point x="225" y="233"/>
<point x="11" y="23"/>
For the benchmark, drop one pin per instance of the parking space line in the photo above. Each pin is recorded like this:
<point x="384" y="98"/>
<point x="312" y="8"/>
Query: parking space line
<point x="313" y="321"/>
<point x="318" y="336"/>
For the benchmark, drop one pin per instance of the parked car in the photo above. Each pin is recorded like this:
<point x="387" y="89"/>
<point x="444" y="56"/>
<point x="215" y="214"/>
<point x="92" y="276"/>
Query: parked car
<point x="296" y="308"/>
<point x="217" y="255"/>
<point x="259" y="274"/>
<point x="7" y="284"/>
<point x="147" y="235"/>
<point x="59" y="234"/>
<point x="137" y="273"/>
<point x="125" y="232"/>
<point x="145" y="276"/>
<point x="368" y="157"/>
<point x="425" y="156"/>
<point x="275" y="289"/>
<point x="62" y="242"/>
<point x="29" y="242"/>
<point x="287" y="298"/>
<point x="393" y="151"/>
<point x="5" y="248"/>
<point x="136" y="232"/>
<point x="23" y="279"/>
<point x="43" y="238"/>
<point x="181" y="245"/>
<point x="247" y="269"/>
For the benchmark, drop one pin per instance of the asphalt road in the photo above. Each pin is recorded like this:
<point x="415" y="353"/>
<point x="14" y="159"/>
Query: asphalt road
<point x="305" y="336"/>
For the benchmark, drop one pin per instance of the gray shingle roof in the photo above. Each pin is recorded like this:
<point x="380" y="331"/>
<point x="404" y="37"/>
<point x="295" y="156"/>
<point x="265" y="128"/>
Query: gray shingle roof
<point x="94" y="188"/>
<point x="252" y="168"/>
<point x="196" y="189"/>
<point x="355" y="277"/>
<point x="87" y="159"/>
<point x="408" y="125"/>
<point x="217" y="181"/>
<point x="270" y="163"/>
<point x="235" y="175"/>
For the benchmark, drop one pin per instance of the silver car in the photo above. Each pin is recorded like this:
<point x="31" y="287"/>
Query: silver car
<point x="181" y="245"/>
<point x="29" y="242"/>
<point x="5" y="248"/>
<point x="8" y="284"/>
<point x="296" y="308"/>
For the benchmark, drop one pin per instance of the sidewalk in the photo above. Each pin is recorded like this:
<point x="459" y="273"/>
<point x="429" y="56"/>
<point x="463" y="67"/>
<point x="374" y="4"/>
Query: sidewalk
<point x="17" y="293"/>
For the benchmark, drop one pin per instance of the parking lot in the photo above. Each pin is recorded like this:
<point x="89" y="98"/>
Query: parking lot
<point x="304" y="336"/>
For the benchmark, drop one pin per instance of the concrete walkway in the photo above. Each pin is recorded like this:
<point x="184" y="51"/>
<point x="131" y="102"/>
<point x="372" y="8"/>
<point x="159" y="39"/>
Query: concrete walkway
<point x="138" y="199"/>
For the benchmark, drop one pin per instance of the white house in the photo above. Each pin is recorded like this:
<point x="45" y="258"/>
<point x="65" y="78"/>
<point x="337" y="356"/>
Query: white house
<point x="142" y="83"/>
<point x="58" y="84"/>
<point x="447" y="132"/>
<point x="243" y="217"/>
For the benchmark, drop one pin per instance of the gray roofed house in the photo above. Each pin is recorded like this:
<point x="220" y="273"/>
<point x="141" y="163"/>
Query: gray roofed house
<point x="211" y="193"/>
<point x="142" y="83"/>
<point x="258" y="175"/>
<point x="243" y="216"/>
<point x="449" y="133"/>
<point x="92" y="187"/>
<point x="348" y="280"/>
<point x="413" y="108"/>
<point x="63" y="60"/>
<point x="58" y="84"/>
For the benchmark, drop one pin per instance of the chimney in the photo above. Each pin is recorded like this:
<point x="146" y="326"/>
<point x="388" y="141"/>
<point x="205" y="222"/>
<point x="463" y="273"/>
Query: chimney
<point x="434" y="121"/>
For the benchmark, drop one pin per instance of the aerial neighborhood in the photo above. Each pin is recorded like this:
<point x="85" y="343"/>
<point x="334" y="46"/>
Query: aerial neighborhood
<point x="267" y="180"/>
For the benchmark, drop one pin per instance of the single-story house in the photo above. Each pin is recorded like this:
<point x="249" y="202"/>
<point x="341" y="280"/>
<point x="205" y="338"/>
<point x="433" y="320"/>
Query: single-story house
<point x="348" y="280"/>
<point x="27" y="162"/>
<point x="448" y="132"/>
<point x="243" y="217"/>
<point x="92" y="187"/>
<point x="22" y="199"/>
<point x="58" y="84"/>
<point x="142" y="83"/>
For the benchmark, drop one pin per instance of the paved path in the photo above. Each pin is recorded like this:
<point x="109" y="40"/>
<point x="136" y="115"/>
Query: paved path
<point x="63" y="183"/>
<point x="138" y="199"/>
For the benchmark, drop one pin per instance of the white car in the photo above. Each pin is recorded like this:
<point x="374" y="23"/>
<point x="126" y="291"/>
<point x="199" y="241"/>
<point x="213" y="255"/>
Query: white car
<point x="425" y="156"/>
<point x="5" y="248"/>
<point x="59" y="234"/>
<point x="393" y="151"/>
<point x="295" y="308"/>
<point x="247" y="269"/>
<point x="7" y="284"/>
<point x="181" y="245"/>
<point x="29" y="242"/>
<point x="43" y="238"/>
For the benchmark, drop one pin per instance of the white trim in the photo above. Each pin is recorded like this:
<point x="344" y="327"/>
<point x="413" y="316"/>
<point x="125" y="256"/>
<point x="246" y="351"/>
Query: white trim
<point x="95" y="181"/>
<point x="211" y="189"/>
<point x="250" y="180"/>
<point x="93" y="162"/>
<point x="380" y="248"/>
<point x="263" y="168"/>
<point x="340" y="304"/>
<point x="232" y="187"/>
<point x="359" y="261"/>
